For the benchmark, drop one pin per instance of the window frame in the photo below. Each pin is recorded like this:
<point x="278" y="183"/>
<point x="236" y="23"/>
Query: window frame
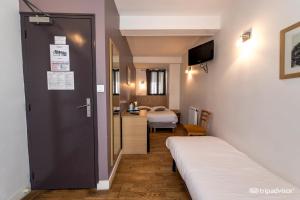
<point x="114" y="83"/>
<point x="158" y="82"/>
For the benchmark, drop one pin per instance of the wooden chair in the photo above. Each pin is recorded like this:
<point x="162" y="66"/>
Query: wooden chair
<point x="201" y="129"/>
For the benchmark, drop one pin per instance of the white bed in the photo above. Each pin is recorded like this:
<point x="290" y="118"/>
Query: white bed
<point x="162" y="116"/>
<point x="214" y="170"/>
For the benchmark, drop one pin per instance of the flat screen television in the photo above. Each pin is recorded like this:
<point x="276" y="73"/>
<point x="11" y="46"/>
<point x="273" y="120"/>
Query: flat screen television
<point x="201" y="53"/>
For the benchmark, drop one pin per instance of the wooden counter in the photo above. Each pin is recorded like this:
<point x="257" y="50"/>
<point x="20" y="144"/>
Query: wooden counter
<point x="134" y="133"/>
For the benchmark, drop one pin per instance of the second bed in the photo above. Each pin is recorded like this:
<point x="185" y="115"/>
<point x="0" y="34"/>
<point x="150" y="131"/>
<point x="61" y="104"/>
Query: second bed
<point x="161" y="117"/>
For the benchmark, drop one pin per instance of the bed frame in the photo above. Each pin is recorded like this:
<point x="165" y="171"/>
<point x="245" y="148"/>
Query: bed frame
<point x="154" y="125"/>
<point x="151" y="101"/>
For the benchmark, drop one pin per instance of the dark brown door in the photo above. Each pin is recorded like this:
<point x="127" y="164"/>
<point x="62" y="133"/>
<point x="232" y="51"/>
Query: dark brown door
<point x="61" y="131"/>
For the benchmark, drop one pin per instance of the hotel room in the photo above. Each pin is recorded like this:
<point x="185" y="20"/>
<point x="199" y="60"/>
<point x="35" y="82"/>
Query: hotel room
<point x="139" y="99"/>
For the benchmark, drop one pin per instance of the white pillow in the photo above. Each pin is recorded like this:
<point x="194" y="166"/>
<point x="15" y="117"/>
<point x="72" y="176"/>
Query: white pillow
<point x="158" y="108"/>
<point x="144" y="108"/>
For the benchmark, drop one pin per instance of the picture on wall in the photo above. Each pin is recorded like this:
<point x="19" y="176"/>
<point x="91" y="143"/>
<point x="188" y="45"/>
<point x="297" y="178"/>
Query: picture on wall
<point x="290" y="52"/>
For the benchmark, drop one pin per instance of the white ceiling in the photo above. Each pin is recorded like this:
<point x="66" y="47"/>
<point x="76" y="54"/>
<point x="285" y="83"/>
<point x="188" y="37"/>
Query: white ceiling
<point x="172" y="7"/>
<point x="161" y="46"/>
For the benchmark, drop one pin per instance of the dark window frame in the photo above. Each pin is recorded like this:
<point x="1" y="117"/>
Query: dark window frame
<point x="114" y="84"/>
<point x="157" y="82"/>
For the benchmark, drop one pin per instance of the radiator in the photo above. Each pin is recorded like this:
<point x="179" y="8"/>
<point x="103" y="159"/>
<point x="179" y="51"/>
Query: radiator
<point x="193" y="115"/>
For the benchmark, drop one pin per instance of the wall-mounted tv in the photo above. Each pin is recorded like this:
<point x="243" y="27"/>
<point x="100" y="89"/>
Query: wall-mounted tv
<point x="201" y="53"/>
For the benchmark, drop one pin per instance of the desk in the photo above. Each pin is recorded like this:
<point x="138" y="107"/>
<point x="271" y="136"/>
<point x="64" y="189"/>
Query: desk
<point x="134" y="133"/>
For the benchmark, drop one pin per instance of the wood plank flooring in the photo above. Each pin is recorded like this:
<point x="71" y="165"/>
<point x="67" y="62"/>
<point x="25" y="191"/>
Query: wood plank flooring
<point x="145" y="177"/>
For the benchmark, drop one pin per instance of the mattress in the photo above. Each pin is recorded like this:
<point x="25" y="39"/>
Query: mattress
<point x="166" y="116"/>
<point x="214" y="170"/>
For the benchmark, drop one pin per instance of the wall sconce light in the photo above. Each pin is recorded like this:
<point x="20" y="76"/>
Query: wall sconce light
<point x="246" y="35"/>
<point x="142" y="85"/>
<point x="188" y="70"/>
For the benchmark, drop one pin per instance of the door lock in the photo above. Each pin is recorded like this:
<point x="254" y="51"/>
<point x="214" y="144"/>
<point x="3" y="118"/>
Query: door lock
<point x="87" y="106"/>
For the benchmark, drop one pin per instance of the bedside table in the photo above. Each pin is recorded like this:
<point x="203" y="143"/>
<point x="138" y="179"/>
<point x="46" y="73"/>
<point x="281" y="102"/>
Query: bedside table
<point x="178" y="113"/>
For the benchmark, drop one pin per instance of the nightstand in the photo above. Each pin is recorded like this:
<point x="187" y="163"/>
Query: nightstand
<point x="178" y="113"/>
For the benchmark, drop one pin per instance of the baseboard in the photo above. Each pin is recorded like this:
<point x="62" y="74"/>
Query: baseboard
<point x="103" y="185"/>
<point x="21" y="193"/>
<point x="106" y="184"/>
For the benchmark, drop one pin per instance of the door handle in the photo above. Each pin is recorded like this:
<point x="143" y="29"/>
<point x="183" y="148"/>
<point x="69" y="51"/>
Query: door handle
<point x="87" y="106"/>
<point x="83" y="106"/>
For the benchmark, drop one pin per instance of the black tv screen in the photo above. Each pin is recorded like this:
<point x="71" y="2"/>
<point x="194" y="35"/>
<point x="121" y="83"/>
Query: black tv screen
<point x="201" y="53"/>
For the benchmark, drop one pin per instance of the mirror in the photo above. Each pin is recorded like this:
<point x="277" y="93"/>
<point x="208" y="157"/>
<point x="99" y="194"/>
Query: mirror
<point x="115" y="102"/>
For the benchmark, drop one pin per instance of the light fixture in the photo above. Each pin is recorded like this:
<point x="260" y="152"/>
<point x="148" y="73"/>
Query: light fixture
<point x="247" y="44"/>
<point x="188" y="70"/>
<point x="142" y="85"/>
<point x="246" y="35"/>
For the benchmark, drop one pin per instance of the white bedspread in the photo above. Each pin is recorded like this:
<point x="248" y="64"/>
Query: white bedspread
<point x="162" y="116"/>
<point x="214" y="170"/>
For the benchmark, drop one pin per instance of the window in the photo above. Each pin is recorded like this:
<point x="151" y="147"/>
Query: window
<point x="156" y="82"/>
<point x="116" y="81"/>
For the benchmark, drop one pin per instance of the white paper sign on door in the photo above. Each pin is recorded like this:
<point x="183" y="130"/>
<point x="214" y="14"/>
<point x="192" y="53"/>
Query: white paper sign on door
<point x="60" y="80"/>
<point x="60" y="39"/>
<point x="60" y="57"/>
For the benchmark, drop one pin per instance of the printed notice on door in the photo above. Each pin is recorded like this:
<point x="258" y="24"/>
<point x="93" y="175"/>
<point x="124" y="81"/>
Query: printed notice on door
<point x="60" y="80"/>
<point x="60" y="39"/>
<point x="60" y="57"/>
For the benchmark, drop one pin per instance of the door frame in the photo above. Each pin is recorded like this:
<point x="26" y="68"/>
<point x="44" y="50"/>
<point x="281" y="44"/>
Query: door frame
<point x="23" y="15"/>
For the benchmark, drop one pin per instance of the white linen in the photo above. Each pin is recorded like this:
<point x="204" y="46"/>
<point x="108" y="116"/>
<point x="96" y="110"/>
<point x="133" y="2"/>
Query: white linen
<point x="158" y="107"/>
<point x="165" y="116"/>
<point x="144" y="108"/>
<point x="214" y="170"/>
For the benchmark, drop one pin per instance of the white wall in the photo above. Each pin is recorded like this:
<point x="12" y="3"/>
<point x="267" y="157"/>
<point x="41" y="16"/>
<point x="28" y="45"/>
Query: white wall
<point x="252" y="109"/>
<point x="141" y="89"/>
<point x="174" y="86"/>
<point x="192" y="87"/>
<point x="14" y="169"/>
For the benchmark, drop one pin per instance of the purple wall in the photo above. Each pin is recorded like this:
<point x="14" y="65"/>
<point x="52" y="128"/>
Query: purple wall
<point x="112" y="22"/>
<point x="107" y="26"/>
<point x="126" y="59"/>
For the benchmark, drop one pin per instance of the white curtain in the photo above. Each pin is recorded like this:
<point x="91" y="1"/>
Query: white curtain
<point x="153" y="82"/>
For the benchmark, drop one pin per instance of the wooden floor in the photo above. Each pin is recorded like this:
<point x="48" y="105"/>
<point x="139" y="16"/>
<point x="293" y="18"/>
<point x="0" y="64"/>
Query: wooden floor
<point x="138" y="177"/>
